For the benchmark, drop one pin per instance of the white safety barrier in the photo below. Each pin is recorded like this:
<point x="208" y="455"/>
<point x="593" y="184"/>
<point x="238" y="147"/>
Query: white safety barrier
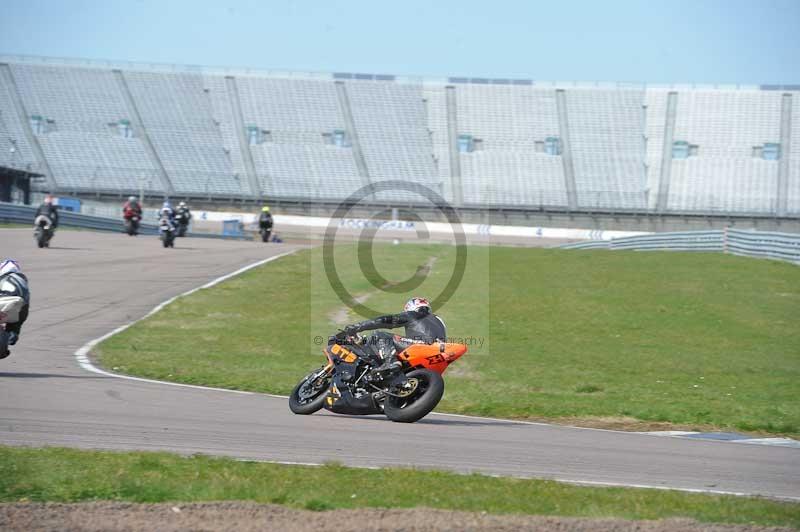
<point x="439" y="228"/>
<point x="767" y="244"/>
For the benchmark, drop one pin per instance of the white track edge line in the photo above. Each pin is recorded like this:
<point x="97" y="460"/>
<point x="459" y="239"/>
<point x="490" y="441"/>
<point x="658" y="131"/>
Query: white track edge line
<point x="82" y="354"/>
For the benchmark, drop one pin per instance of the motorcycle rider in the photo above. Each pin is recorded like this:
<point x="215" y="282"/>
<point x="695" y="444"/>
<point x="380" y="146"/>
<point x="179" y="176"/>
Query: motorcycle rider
<point x="131" y="209"/>
<point x="421" y="326"/>
<point x="183" y="214"/>
<point x="15" y="298"/>
<point x="265" y="222"/>
<point x="49" y="211"/>
<point x="167" y="212"/>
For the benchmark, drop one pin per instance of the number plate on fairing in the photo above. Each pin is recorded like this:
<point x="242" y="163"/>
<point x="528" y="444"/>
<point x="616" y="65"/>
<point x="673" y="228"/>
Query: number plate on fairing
<point x="345" y="354"/>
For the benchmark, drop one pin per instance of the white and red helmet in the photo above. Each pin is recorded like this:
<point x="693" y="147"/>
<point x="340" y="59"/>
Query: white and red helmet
<point x="416" y="304"/>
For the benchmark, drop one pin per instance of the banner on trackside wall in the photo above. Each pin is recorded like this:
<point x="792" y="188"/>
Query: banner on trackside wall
<point x="517" y="231"/>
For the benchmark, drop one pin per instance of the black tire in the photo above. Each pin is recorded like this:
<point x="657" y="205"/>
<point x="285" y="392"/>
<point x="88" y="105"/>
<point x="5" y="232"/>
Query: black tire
<point x="415" y="407"/>
<point x="306" y="406"/>
<point x="4" y="352"/>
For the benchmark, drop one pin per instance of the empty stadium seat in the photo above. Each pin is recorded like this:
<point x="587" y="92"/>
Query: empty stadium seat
<point x="724" y="176"/>
<point x="290" y="131"/>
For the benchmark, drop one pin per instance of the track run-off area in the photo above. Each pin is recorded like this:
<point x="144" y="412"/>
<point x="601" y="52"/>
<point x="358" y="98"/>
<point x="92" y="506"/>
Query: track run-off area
<point x="89" y="284"/>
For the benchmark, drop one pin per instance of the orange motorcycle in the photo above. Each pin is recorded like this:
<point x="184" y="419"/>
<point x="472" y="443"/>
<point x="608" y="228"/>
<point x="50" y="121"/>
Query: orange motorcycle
<point x="350" y="383"/>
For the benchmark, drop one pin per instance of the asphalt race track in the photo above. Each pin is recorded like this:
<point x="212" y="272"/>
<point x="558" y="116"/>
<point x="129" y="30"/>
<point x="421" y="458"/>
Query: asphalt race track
<point x="87" y="284"/>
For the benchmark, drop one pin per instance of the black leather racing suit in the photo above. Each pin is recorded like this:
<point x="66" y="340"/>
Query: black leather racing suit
<point x="420" y="327"/>
<point x="186" y="213"/>
<point x="265" y="220"/>
<point x="49" y="210"/>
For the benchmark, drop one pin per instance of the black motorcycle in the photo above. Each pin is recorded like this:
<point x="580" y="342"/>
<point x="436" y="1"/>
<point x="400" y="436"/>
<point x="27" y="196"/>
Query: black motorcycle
<point x="354" y="383"/>
<point x="265" y="233"/>
<point x="43" y="231"/>
<point x="132" y="225"/>
<point x="166" y="232"/>
<point x="182" y="219"/>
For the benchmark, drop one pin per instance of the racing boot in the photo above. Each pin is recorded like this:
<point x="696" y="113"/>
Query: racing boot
<point x="390" y="368"/>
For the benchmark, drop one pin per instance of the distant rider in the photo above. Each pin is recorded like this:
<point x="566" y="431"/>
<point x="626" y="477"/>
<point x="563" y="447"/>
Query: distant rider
<point x="184" y="213"/>
<point x="131" y="209"/>
<point x="265" y="223"/>
<point x="167" y="212"/>
<point x="132" y="215"/>
<point x="15" y="298"/>
<point x="49" y="211"/>
<point x="421" y="326"/>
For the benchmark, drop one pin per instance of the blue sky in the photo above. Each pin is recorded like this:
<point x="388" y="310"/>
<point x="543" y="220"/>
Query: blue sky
<point x="701" y="41"/>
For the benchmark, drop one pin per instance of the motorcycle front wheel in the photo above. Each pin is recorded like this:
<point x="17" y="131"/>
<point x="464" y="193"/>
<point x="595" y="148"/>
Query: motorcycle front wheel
<point x="416" y="399"/>
<point x="309" y="394"/>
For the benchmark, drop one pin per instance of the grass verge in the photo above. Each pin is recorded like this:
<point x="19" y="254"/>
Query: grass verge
<point x="14" y="225"/>
<point x="619" y="339"/>
<point x="68" y="475"/>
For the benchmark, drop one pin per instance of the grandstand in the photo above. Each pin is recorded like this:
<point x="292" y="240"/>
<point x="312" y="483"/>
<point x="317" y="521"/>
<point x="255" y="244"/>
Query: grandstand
<point x="220" y="134"/>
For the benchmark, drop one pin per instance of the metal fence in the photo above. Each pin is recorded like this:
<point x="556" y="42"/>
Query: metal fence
<point x="24" y="214"/>
<point x="763" y="244"/>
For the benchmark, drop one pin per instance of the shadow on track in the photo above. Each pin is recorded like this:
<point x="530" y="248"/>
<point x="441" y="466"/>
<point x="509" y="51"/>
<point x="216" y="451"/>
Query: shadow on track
<point x="431" y="421"/>
<point x="465" y="422"/>
<point x="70" y="249"/>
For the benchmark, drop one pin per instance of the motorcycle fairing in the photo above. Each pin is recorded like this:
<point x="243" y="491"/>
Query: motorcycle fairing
<point x="339" y="398"/>
<point x="341" y="401"/>
<point x="436" y="356"/>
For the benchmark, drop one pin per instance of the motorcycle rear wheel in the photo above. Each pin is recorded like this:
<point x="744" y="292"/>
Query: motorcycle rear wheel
<point x="427" y="394"/>
<point x="306" y="404"/>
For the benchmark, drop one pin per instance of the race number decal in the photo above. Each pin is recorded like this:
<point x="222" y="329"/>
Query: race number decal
<point x="435" y="359"/>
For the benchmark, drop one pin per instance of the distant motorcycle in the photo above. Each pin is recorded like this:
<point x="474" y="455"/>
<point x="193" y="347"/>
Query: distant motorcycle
<point x="132" y="225"/>
<point x="166" y="232"/>
<point x="43" y="231"/>
<point x="182" y="219"/>
<point x="265" y="232"/>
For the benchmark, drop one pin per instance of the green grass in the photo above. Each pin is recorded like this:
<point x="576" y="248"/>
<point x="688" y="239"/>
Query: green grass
<point x="66" y="475"/>
<point x="692" y="340"/>
<point x="13" y="225"/>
